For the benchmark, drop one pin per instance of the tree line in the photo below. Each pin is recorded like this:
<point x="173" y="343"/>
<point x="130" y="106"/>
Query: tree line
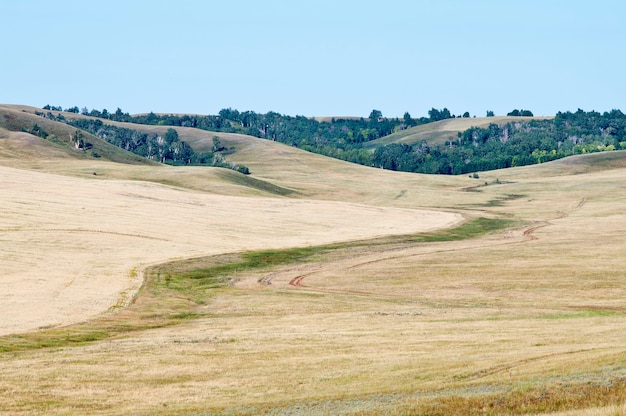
<point x="516" y="143"/>
<point x="166" y="148"/>
<point x="338" y="138"/>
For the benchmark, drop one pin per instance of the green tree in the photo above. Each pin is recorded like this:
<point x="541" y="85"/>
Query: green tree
<point x="171" y="136"/>
<point x="407" y="119"/>
<point x="217" y="145"/>
<point x="375" y="115"/>
<point x="436" y="115"/>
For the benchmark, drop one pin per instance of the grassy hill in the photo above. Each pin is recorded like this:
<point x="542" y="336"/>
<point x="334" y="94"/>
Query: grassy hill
<point x="20" y="119"/>
<point x="441" y="131"/>
<point x="58" y="155"/>
<point x="311" y="286"/>
<point x="276" y="169"/>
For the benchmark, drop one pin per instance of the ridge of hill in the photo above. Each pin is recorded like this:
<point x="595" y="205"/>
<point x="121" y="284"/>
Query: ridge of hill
<point x="277" y="169"/>
<point x="201" y="140"/>
<point x="21" y="124"/>
<point x="439" y="132"/>
<point x="514" y="140"/>
<point x="22" y="147"/>
<point x="282" y="170"/>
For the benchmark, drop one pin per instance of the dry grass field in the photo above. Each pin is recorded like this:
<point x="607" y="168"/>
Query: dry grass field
<point x="146" y="289"/>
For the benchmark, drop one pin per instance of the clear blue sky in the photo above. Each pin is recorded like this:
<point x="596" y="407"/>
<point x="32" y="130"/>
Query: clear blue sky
<point x="315" y="58"/>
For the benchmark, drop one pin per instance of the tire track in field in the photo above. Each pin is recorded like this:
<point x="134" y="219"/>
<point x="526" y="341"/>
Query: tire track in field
<point x="501" y="368"/>
<point x="528" y="235"/>
<point x="297" y="281"/>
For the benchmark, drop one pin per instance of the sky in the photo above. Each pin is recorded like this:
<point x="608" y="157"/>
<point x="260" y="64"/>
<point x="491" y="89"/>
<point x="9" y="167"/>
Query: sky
<point x="315" y="58"/>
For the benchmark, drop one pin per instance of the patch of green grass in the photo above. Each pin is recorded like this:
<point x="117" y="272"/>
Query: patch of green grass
<point x="199" y="283"/>
<point x="495" y="202"/>
<point x="188" y="315"/>
<point x="267" y="258"/>
<point x="588" y="313"/>
<point x="217" y="274"/>
<point x="51" y="338"/>
<point x="501" y="200"/>
<point x="471" y="229"/>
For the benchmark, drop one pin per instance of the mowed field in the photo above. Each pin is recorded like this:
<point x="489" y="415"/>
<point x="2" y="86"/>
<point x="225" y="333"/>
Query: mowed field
<point x="377" y="292"/>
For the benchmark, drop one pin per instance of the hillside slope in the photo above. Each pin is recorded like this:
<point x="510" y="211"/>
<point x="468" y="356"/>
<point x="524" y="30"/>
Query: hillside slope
<point x="277" y="169"/>
<point x="21" y="119"/>
<point x="439" y="132"/>
<point x="21" y="149"/>
<point x="282" y="170"/>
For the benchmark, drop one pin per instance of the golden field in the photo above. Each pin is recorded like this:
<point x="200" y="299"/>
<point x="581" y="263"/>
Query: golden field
<point x="383" y="300"/>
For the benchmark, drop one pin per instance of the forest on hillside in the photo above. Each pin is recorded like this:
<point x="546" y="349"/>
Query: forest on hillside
<point x="167" y="148"/>
<point x="516" y="143"/>
<point x="339" y="138"/>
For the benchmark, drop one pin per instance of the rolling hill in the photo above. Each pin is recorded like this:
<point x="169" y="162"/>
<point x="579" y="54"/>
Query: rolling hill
<point x="311" y="286"/>
<point x="439" y="132"/>
<point x="292" y="171"/>
<point x="23" y="119"/>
